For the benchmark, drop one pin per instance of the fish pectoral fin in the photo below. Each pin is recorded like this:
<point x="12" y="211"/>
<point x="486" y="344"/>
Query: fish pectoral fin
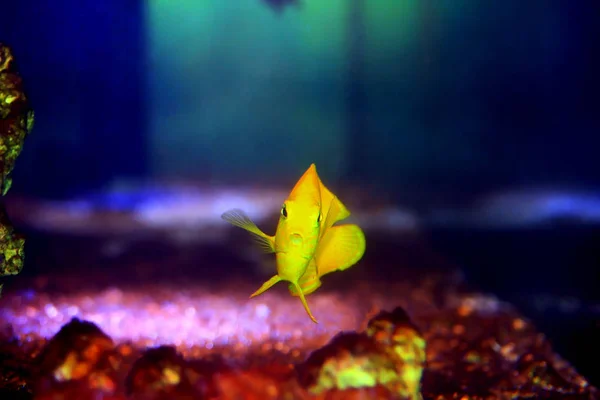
<point x="340" y="248"/>
<point x="266" y="286"/>
<point x="239" y="218"/>
<point x="304" y="303"/>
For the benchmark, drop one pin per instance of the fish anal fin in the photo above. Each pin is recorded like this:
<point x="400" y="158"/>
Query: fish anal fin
<point x="305" y="303"/>
<point x="306" y="288"/>
<point x="239" y="218"/>
<point x="340" y="248"/>
<point x="266" y="286"/>
<point x="309" y="282"/>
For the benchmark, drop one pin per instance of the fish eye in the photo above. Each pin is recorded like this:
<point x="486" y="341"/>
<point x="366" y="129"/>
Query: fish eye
<point x="283" y="211"/>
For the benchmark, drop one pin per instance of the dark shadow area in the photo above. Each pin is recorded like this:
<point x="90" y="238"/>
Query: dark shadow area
<point x="549" y="274"/>
<point x="83" y="64"/>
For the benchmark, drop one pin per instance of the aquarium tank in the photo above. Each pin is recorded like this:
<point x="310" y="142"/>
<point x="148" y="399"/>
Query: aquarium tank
<point x="299" y="199"/>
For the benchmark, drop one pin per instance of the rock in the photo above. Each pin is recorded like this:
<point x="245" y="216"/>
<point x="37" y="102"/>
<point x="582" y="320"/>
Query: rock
<point x="16" y="122"/>
<point x="162" y="373"/>
<point x="404" y="343"/>
<point x="476" y="348"/>
<point x="80" y="356"/>
<point x="384" y="362"/>
<point x="350" y="361"/>
<point x="16" y="117"/>
<point x="12" y="245"/>
<point x="258" y="384"/>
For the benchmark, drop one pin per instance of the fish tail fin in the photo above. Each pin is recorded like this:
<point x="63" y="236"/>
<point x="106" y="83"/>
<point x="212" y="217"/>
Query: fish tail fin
<point x="304" y="303"/>
<point x="239" y="218"/>
<point x="266" y="286"/>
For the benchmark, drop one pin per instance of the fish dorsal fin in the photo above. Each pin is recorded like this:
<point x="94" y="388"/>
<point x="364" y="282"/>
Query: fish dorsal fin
<point x="335" y="212"/>
<point x="340" y="248"/>
<point x="333" y="209"/>
<point x="307" y="188"/>
<point x="239" y="218"/>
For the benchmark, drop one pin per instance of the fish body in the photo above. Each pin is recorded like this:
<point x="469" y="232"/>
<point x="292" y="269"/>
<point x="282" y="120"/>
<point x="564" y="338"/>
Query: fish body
<point x="306" y="244"/>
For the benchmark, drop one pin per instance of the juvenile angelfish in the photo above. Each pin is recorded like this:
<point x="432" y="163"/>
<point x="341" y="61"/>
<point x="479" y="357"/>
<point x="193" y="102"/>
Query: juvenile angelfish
<point x="306" y="244"/>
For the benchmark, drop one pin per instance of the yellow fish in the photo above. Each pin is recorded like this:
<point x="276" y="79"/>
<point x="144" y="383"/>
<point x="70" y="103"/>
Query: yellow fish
<point x="306" y="244"/>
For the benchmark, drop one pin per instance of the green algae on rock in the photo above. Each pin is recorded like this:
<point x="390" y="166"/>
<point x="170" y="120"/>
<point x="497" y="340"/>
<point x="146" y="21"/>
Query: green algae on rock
<point x="16" y="117"/>
<point x="404" y="343"/>
<point x="11" y="247"/>
<point x="16" y="122"/>
<point x="389" y="356"/>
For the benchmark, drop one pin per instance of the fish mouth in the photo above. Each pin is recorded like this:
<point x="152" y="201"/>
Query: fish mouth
<point x="296" y="239"/>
